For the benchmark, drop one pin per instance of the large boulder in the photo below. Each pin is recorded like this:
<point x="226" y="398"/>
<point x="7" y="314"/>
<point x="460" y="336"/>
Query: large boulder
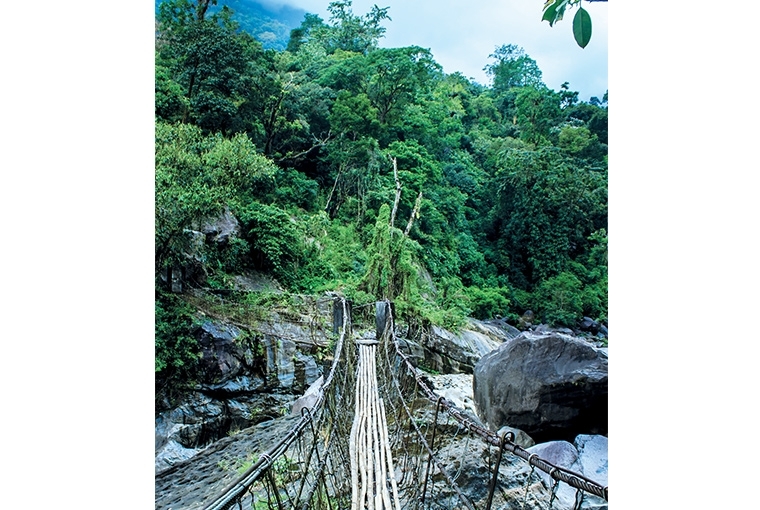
<point x="590" y="325"/>
<point x="587" y="455"/>
<point x="552" y="386"/>
<point x="454" y="353"/>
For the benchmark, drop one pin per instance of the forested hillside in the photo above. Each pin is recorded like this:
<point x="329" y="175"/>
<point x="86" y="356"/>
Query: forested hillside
<point x="370" y="171"/>
<point x="270" y="25"/>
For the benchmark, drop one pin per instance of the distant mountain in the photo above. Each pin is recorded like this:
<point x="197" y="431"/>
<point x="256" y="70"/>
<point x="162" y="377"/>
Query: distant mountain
<point x="267" y="23"/>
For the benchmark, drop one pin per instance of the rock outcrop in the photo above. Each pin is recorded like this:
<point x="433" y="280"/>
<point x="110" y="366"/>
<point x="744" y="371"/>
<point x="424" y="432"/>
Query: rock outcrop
<point x="467" y="463"/>
<point x="193" y="484"/>
<point x="246" y="376"/>
<point x="200" y="420"/>
<point x="552" y="386"/>
<point x="221" y="228"/>
<point x="454" y="353"/>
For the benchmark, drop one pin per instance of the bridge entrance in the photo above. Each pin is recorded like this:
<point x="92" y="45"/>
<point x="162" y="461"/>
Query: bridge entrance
<point x="375" y="439"/>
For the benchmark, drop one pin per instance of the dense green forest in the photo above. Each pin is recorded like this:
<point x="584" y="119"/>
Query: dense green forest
<point x="370" y="171"/>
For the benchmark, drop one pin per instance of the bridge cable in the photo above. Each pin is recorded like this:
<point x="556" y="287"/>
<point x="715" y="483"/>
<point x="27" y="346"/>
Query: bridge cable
<point x="234" y="491"/>
<point x="568" y="476"/>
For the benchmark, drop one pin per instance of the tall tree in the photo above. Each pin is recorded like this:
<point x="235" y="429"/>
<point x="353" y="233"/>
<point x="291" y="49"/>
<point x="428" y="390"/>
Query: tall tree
<point x="207" y="57"/>
<point x="548" y="208"/>
<point x="512" y="68"/>
<point x="397" y="75"/>
<point x="355" y="33"/>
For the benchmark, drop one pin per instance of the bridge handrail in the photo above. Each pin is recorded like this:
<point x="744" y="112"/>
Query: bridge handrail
<point x="568" y="476"/>
<point x="234" y="490"/>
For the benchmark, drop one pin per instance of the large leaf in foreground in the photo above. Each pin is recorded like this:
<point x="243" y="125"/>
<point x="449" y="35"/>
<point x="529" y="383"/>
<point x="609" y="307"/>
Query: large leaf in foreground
<point x="582" y="27"/>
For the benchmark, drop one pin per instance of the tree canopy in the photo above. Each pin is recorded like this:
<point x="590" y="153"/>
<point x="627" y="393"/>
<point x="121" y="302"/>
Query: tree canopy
<point x="369" y="170"/>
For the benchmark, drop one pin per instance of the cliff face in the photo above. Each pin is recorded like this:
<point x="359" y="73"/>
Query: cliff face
<point x="248" y="373"/>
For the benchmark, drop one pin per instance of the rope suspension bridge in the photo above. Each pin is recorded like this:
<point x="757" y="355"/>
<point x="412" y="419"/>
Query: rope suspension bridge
<point x="369" y="442"/>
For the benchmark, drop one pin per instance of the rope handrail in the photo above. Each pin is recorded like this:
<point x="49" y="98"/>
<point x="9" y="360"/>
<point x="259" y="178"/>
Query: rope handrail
<point x="377" y="447"/>
<point x="429" y="450"/>
<point x="568" y="476"/>
<point x="234" y="490"/>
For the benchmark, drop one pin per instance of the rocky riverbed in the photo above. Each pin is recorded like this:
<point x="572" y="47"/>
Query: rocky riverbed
<point x="253" y="376"/>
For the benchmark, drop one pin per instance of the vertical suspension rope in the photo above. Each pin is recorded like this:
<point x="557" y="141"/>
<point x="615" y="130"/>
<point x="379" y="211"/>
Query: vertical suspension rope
<point x="432" y="446"/>
<point x="496" y="469"/>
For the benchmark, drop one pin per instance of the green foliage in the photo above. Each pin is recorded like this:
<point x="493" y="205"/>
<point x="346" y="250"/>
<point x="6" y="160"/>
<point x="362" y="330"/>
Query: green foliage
<point x="350" y="32"/>
<point x="537" y="109"/>
<point x="575" y="139"/>
<point x="354" y="115"/>
<point x="389" y="268"/>
<point x="554" y="10"/>
<point x="561" y="299"/>
<point x="311" y="25"/>
<point x="275" y="240"/>
<point x="184" y="193"/>
<point x="488" y="302"/>
<point x="176" y="352"/>
<point x="235" y="163"/>
<point x="229" y="258"/>
<point x="297" y="145"/>
<point x="513" y="68"/>
<point x="293" y="188"/>
<point x="209" y="59"/>
<point x="196" y="176"/>
<point x="397" y="75"/>
<point x="547" y="209"/>
<point x="170" y="99"/>
<point x="596" y="291"/>
<point x="595" y="299"/>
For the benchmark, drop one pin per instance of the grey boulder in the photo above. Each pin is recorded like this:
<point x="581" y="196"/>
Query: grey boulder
<point x="552" y="386"/>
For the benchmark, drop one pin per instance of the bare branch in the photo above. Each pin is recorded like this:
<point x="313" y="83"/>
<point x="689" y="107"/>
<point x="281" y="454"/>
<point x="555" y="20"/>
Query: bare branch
<point x="398" y="193"/>
<point x="340" y="170"/>
<point x="318" y="143"/>
<point x="415" y="214"/>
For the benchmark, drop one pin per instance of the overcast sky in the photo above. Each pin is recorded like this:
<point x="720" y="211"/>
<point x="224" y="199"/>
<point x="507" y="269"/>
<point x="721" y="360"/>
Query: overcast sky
<point x="462" y="34"/>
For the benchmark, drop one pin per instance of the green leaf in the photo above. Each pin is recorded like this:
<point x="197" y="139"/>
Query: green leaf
<point x="550" y="14"/>
<point x="582" y="27"/>
<point x="554" y="10"/>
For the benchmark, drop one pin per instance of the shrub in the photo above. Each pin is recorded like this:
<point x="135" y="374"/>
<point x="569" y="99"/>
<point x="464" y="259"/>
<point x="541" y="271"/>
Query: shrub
<point x="560" y="299"/>
<point x="176" y="353"/>
<point x="487" y="302"/>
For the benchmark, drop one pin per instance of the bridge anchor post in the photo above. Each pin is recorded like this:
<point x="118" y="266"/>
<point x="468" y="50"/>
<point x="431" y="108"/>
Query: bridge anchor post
<point x="383" y="319"/>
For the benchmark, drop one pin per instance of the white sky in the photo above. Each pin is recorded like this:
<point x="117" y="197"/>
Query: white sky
<point x="461" y="34"/>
